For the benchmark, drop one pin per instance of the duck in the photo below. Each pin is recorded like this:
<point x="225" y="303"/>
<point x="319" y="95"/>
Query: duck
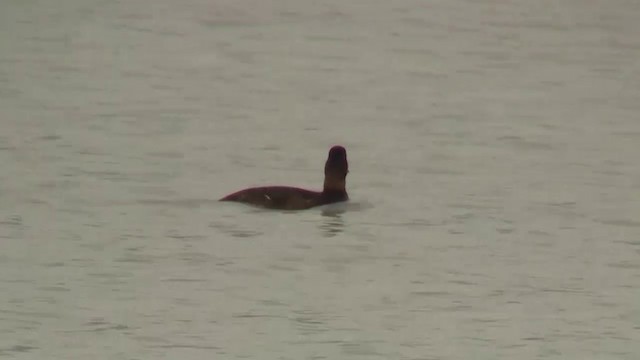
<point x="336" y="169"/>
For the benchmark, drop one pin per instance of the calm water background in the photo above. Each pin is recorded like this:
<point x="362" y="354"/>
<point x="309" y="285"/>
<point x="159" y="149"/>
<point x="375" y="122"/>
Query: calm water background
<point x="495" y="179"/>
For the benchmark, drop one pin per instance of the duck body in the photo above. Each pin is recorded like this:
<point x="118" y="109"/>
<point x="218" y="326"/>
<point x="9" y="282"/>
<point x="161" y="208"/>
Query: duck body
<point x="285" y="197"/>
<point x="294" y="198"/>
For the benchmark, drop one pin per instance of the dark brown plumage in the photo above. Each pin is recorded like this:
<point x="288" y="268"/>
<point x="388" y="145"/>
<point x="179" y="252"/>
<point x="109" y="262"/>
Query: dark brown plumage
<point x="293" y="198"/>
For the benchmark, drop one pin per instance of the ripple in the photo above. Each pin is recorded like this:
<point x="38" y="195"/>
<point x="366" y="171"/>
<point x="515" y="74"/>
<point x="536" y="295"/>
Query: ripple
<point x="621" y="222"/>
<point x="19" y="349"/>
<point x="183" y="280"/>
<point x="188" y="346"/>
<point x="12" y="220"/>
<point x="234" y="231"/>
<point x="625" y="265"/>
<point x="430" y="293"/>
<point x="50" y="137"/>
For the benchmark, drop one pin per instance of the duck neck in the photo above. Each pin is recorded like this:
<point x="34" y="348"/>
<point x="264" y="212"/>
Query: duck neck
<point x="334" y="185"/>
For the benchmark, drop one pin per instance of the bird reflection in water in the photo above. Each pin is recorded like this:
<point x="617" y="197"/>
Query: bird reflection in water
<point x="332" y="223"/>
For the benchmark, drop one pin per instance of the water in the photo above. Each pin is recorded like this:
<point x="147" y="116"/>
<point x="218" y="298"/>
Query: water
<point x="494" y="179"/>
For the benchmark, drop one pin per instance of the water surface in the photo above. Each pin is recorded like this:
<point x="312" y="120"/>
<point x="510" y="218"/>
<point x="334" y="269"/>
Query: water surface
<point x="494" y="179"/>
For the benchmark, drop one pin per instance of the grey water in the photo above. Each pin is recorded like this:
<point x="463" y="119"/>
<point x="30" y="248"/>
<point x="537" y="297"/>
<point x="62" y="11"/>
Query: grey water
<point x="494" y="179"/>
